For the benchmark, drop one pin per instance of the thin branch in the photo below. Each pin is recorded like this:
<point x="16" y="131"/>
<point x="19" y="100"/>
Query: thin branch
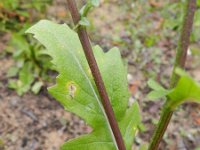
<point x="83" y="36"/>
<point x="181" y="56"/>
<point x="184" y="40"/>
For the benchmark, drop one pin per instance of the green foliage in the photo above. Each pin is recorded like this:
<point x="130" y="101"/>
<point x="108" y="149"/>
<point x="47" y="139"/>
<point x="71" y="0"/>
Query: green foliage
<point x="13" y="13"/>
<point x="95" y="3"/>
<point x="88" y="6"/>
<point x="31" y="64"/>
<point x="158" y="90"/>
<point x="31" y="61"/>
<point x="174" y="13"/>
<point x="36" y="87"/>
<point x="84" y="21"/>
<point x="76" y="90"/>
<point x="23" y="84"/>
<point x="85" y="10"/>
<point x="21" y="5"/>
<point x="186" y="90"/>
<point x="147" y="28"/>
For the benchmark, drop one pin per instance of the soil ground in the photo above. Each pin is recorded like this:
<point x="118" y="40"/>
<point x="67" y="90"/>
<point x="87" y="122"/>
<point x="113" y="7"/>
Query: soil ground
<point x="38" y="122"/>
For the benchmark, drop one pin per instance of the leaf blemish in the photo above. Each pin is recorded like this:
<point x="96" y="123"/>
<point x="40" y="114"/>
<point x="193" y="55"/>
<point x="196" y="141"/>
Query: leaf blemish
<point x="72" y="88"/>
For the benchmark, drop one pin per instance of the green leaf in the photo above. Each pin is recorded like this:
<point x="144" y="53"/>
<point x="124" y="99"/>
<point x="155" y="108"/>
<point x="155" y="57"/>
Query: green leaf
<point x="88" y="6"/>
<point x="198" y="3"/>
<point x="154" y="85"/>
<point x="76" y="91"/>
<point x="12" y="84"/>
<point x="84" y="21"/>
<point x="12" y="72"/>
<point x="95" y="3"/>
<point x="158" y="90"/>
<point x="186" y="89"/>
<point x="36" y="87"/>
<point x="85" y="9"/>
<point x="23" y="84"/>
<point x="82" y="10"/>
<point x="20" y="47"/>
<point x="155" y="95"/>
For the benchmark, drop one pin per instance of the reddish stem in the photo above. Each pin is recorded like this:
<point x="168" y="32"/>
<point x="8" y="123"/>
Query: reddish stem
<point x="83" y="36"/>
<point x="181" y="56"/>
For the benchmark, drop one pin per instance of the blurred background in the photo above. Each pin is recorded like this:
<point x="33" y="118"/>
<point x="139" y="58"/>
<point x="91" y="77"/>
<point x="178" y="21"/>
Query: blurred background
<point x="146" y="32"/>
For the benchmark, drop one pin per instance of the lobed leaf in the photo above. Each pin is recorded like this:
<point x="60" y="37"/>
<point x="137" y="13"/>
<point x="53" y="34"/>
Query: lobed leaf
<point x="154" y="85"/>
<point x="186" y="89"/>
<point x="158" y="90"/>
<point x="76" y="91"/>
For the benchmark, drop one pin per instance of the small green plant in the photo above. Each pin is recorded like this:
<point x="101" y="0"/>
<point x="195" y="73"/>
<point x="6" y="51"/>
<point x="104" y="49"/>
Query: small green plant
<point x="31" y="64"/>
<point x="14" y="13"/>
<point x="94" y="85"/>
<point x="146" y="36"/>
<point x="173" y="13"/>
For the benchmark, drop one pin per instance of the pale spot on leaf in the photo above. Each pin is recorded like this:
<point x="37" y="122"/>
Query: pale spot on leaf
<point x="72" y="88"/>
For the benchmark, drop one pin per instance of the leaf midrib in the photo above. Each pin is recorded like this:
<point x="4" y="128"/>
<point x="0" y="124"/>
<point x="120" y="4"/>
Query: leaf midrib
<point x="91" y="86"/>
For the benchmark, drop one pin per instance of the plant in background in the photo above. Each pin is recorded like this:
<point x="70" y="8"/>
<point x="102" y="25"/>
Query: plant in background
<point x="173" y="14"/>
<point x="147" y="37"/>
<point x="31" y="65"/>
<point x="14" y="13"/>
<point x="94" y="85"/>
<point x="31" y="62"/>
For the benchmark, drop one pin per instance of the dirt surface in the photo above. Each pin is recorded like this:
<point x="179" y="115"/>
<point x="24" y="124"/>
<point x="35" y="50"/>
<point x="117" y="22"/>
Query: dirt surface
<point x="38" y="122"/>
<point x="33" y="122"/>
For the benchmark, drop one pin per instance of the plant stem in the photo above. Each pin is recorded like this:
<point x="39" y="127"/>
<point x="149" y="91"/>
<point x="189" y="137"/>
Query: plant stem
<point x="83" y="36"/>
<point x="181" y="56"/>
<point x="184" y="40"/>
<point x="161" y="128"/>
